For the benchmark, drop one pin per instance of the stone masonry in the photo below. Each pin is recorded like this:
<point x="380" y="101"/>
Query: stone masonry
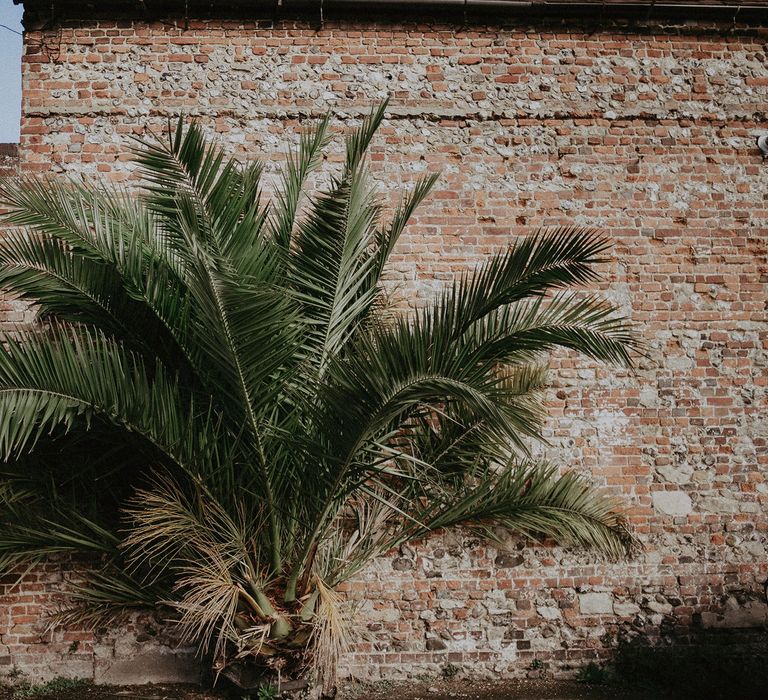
<point x="647" y="133"/>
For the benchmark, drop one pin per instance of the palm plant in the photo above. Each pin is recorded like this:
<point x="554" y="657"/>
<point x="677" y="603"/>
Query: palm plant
<point x="217" y="406"/>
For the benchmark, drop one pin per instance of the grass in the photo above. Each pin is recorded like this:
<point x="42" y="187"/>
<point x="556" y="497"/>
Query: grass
<point x="267" y="692"/>
<point x="594" y="674"/>
<point x="51" y="688"/>
<point x="357" y="690"/>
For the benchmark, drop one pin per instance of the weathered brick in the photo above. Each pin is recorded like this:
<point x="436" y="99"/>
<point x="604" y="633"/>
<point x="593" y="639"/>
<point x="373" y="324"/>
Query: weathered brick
<point x="648" y="136"/>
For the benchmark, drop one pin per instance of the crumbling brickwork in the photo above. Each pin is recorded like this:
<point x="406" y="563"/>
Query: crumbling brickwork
<point x="647" y="134"/>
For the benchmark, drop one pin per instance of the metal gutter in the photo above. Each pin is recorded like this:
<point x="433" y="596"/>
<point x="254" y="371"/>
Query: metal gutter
<point x="518" y="4"/>
<point x="46" y="12"/>
<point x="552" y="4"/>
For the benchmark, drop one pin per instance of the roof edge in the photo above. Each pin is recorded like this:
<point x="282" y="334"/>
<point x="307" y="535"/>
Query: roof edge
<point x="42" y="13"/>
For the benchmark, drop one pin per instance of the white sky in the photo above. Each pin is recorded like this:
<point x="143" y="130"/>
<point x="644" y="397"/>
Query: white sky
<point x="10" y="72"/>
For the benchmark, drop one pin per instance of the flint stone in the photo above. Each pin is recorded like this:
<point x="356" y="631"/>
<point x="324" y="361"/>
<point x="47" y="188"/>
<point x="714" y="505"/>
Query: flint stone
<point x="508" y="561"/>
<point x="402" y="564"/>
<point x="596" y="604"/>
<point x="672" y="502"/>
<point x="436" y="645"/>
<point x="625" y="609"/>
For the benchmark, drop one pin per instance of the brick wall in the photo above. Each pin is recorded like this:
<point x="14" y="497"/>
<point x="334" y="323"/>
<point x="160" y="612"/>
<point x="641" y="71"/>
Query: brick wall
<point x="11" y="312"/>
<point x="9" y="159"/>
<point x="647" y="134"/>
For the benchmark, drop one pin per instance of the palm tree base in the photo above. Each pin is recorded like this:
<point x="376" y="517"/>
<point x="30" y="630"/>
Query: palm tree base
<point x="249" y="677"/>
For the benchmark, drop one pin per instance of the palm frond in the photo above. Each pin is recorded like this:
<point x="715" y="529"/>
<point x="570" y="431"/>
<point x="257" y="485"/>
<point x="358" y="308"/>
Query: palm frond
<point x="358" y="140"/>
<point x="530" y="499"/>
<point x="56" y="376"/>
<point x="339" y="253"/>
<point x="30" y="535"/>
<point x="531" y="267"/>
<point x="106" y="596"/>
<point x="390" y="235"/>
<point x="524" y="331"/>
<point x="298" y="168"/>
<point x="185" y="534"/>
<point x="103" y="252"/>
<point x="536" y="502"/>
<point x="331" y="635"/>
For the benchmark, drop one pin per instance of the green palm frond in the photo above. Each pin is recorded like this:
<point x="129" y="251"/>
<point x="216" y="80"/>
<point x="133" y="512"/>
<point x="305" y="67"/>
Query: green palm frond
<point x="57" y="376"/>
<point x="531" y="267"/>
<point x="294" y="177"/>
<point x="105" y="597"/>
<point x="95" y="256"/>
<point x="82" y="218"/>
<point x="33" y="530"/>
<point x="535" y="501"/>
<point x="332" y="259"/>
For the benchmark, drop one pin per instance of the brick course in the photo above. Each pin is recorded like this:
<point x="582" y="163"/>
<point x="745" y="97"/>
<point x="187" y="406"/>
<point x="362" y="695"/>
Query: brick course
<point x="647" y="135"/>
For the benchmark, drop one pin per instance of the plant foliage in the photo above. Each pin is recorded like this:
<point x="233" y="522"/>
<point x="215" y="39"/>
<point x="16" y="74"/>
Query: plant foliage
<point x="216" y="402"/>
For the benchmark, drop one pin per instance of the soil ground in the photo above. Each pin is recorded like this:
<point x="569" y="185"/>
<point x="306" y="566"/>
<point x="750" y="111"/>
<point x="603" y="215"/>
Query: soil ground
<point x="496" y="690"/>
<point x="88" y="691"/>
<point x="442" y="690"/>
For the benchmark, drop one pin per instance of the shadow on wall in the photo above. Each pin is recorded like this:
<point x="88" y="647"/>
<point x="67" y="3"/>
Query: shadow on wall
<point x="707" y="664"/>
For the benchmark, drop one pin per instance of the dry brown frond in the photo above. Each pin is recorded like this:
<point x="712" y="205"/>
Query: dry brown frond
<point x="330" y="637"/>
<point x="207" y="550"/>
<point x="208" y="602"/>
